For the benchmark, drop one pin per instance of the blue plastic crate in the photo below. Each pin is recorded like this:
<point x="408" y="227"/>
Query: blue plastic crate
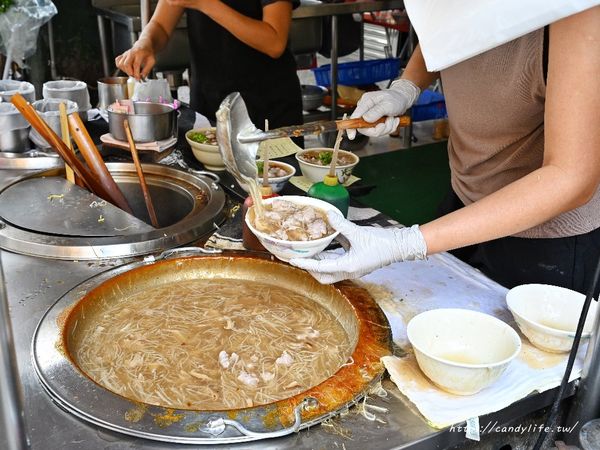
<point x="359" y="73"/>
<point x="430" y="105"/>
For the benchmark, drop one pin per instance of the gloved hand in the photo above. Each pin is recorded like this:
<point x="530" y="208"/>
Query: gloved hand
<point x="370" y="248"/>
<point x="390" y="102"/>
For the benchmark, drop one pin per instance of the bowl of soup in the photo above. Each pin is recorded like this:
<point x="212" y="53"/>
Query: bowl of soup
<point x="315" y="162"/>
<point x="462" y="351"/>
<point x="548" y="315"/>
<point x="292" y="226"/>
<point x="279" y="174"/>
<point x="204" y="145"/>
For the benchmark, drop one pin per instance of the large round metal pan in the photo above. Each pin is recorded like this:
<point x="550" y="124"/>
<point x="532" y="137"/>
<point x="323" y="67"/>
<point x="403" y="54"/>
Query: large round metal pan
<point x="356" y="311"/>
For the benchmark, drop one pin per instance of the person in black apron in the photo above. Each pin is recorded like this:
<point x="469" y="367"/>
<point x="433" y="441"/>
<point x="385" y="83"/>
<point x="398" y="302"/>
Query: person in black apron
<point x="221" y="62"/>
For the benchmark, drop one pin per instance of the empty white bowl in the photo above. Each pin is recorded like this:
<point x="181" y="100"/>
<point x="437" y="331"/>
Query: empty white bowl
<point x="286" y="250"/>
<point x="316" y="172"/>
<point x="207" y="154"/>
<point x="277" y="183"/>
<point x="462" y="351"/>
<point x="548" y="315"/>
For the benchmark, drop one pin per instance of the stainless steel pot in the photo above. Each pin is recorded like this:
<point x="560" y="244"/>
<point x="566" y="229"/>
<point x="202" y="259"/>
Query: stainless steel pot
<point x="8" y="88"/>
<point x="111" y="89"/>
<point x="14" y="130"/>
<point x="150" y="122"/>
<point x="312" y="96"/>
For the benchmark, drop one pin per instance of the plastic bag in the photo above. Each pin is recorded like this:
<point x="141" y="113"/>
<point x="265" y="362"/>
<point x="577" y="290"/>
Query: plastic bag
<point x="74" y="90"/>
<point x="8" y="88"/>
<point x="49" y="110"/>
<point x="19" y="27"/>
<point x="152" y="91"/>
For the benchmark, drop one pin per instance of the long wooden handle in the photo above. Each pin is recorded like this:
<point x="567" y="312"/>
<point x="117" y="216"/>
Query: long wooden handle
<point x="52" y="138"/>
<point x="362" y="123"/>
<point x="95" y="162"/>
<point x="66" y="138"/>
<point x="140" y="173"/>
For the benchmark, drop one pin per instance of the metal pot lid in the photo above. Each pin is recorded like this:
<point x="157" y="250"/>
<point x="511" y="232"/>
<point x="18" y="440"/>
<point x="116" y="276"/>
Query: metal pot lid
<point x="53" y="205"/>
<point x="189" y="205"/>
<point x="79" y="395"/>
<point x="30" y="160"/>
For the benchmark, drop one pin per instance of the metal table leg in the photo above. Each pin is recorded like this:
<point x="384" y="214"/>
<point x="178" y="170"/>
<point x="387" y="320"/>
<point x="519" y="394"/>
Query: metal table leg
<point x="334" y="66"/>
<point x="103" y="46"/>
<point x="11" y="396"/>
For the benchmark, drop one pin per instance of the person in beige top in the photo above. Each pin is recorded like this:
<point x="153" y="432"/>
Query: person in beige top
<point x="524" y="152"/>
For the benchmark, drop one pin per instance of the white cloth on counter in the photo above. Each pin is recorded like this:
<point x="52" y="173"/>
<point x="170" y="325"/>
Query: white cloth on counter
<point x="406" y="289"/>
<point x="451" y="31"/>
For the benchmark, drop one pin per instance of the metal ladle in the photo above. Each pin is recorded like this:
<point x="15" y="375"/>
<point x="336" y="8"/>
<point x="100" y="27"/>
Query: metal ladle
<point x="233" y="121"/>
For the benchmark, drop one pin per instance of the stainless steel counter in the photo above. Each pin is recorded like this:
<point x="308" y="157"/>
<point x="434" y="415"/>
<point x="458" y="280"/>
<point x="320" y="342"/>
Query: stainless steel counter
<point x="33" y="284"/>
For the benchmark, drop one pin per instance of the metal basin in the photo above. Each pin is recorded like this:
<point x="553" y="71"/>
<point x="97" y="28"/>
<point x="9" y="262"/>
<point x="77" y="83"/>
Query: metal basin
<point x="150" y="122"/>
<point x="188" y="206"/>
<point x="358" y="314"/>
<point x="312" y="96"/>
<point x="111" y="89"/>
<point x="14" y="130"/>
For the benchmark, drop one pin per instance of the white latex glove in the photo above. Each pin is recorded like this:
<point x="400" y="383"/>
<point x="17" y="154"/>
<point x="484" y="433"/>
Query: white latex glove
<point x="370" y="248"/>
<point x="390" y="102"/>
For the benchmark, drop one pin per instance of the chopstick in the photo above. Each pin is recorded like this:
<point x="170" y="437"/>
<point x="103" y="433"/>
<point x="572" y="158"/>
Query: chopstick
<point x="140" y="173"/>
<point x="95" y="162"/>
<point x="336" y="148"/>
<point x="66" y="138"/>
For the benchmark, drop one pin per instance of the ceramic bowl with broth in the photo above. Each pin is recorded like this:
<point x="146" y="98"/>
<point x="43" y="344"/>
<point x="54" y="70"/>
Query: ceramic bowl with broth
<point x="203" y="142"/>
<point x="462" y="351"/>
<point x="288" y="249"/>
<point x="314" y="164"/>
<point x="279" y="174"/>
<point x="548" y="315"/>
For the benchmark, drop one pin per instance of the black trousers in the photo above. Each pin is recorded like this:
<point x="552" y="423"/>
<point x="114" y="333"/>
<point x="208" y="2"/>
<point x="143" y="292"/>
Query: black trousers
<point x="568" y="262"/>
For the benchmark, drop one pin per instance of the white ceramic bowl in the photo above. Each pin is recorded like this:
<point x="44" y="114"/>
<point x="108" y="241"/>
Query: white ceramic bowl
<point x="316" y="173"/>
<point x="462" y="351"/>
<point x="208" y="155"/>
<point x="548" y="315"/>
<point x="286" y="250"/>
<point x="277" y="183"/>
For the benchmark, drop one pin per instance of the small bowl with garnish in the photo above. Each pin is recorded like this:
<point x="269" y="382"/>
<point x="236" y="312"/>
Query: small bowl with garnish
<point x="203" y="142"/>
<point x="279" y="173"/>
<point x="293" y="226"/>
<point x="314" y="163"/>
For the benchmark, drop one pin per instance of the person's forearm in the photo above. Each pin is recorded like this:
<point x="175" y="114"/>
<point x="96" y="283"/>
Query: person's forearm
<point x="416" y="71"/>
<point x="257" y="34"/>
<point x="527" y="202"/>
<point x="153" y="37"/>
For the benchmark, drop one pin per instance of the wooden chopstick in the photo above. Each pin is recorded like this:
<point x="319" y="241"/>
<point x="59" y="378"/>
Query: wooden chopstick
<point x="66" y="138"/>
<point x="95" y="162"/>
<point x="140" y="173"/>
